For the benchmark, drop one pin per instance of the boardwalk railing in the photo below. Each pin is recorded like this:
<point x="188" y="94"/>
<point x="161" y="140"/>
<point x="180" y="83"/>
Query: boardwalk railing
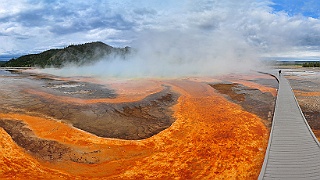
<point x="293" y="150"/>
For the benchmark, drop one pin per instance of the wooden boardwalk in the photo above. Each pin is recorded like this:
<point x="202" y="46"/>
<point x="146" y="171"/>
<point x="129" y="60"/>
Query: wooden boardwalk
<point x="293" y="150"/>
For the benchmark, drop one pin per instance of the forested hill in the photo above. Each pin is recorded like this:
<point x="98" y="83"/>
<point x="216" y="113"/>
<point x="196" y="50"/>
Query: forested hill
<point x="76" y="54"/>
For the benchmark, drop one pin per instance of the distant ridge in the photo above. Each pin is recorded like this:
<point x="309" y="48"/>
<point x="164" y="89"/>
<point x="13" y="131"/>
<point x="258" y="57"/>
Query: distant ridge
<point x="2" y="62"/>
<point x="81" y="54"/>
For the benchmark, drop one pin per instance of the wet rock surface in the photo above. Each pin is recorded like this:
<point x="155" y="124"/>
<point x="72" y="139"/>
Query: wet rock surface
<point x="80" y="89"/>
<point x="135" y="120"/>
<point x="266" y="82"/>
<point x="77" y="89"/>
<point x="128" y="120"/>
<point x="251" y="99"/>
<point x="47" y="150"/>
<point x="211" y="137"/>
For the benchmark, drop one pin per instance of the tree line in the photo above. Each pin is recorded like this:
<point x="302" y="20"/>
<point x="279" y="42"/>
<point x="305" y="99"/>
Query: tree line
<point x="311" y="64"/>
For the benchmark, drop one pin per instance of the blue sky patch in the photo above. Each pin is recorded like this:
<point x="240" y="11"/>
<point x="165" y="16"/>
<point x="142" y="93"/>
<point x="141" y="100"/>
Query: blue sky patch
<point x="308" y="8"/>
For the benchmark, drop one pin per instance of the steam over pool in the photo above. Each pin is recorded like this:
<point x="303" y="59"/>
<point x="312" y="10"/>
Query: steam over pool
<point x="172" y="54"/>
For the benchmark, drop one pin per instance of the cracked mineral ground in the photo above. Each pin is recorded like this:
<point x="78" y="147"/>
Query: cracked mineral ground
<point x="80" y="127"/>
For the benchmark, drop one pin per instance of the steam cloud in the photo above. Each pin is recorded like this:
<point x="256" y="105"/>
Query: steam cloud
<point x="173" y="54"/>
<point x="205" y="43"/>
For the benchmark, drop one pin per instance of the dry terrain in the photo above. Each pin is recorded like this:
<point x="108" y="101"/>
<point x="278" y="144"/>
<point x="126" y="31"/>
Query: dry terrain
<point x="305" y="83"/>
<point x="84" y="128"/>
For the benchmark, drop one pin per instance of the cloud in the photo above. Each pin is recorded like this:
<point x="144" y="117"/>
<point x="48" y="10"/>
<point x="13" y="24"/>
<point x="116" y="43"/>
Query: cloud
<point x="207" y="38"/>
<point x="175" y="53"/>
<point x="50" y="23"/>
<point x="269" y="31"/>
<point x="145" y="11"/>
<point x="269" y="27"/>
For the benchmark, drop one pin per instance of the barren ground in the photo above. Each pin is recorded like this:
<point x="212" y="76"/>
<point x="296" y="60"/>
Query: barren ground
<point x="67" y="128"/>
<point x="305" y="83"/>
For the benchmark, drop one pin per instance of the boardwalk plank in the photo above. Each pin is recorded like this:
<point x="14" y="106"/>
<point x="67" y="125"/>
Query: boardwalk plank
<point x="293" y="151"/>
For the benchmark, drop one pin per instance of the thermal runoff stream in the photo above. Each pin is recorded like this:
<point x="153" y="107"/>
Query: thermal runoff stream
<point x="162" y="128"/>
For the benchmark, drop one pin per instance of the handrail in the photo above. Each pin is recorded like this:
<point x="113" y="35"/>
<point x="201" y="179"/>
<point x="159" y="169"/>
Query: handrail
<point x="265" y="161"/>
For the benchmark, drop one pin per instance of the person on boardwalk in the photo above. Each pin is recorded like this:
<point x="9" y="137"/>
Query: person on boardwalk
<point x="279" y="72"/>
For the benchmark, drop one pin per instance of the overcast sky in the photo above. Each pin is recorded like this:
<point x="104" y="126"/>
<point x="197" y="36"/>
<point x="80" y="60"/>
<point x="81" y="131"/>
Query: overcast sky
<point x="275" y="28"/>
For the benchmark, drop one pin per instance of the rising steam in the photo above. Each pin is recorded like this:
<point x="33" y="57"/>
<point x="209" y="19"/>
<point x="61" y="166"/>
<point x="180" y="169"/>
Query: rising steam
<point x="173" y="54"/>
<point x="202" y="47"/>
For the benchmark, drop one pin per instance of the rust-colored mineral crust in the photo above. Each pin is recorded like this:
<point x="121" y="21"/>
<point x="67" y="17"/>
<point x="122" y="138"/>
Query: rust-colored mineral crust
<point x="211" y="138"/>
